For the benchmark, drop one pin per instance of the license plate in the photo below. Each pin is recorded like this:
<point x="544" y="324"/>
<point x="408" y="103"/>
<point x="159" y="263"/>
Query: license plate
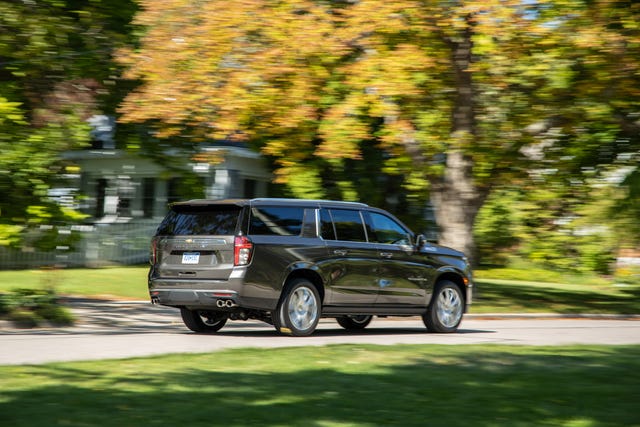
<point x="191" y="257"/>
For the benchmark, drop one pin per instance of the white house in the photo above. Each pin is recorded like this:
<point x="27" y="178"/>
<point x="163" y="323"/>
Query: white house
<point x="120" y="186"/>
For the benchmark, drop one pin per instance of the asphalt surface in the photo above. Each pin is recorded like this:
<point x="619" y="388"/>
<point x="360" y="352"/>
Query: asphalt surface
<point x="123" y="329"/>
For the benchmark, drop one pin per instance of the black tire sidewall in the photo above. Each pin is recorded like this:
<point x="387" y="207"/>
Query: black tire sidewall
<point x="193" y="321"/>
<point x="283" y="323"/>
<point x="348" y="323"/>
<point x="430" y="318"/>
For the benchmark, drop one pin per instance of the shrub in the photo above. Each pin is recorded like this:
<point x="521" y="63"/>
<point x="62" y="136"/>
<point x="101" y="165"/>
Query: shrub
<point x="24" y="318"/>
<point x="31" y="307"/>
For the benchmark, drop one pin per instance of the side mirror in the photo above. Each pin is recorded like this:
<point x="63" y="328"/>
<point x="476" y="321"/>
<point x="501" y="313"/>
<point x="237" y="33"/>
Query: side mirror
<point x="421" y="240"/>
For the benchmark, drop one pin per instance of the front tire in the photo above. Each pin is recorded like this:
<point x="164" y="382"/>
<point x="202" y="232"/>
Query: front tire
<point x="202" y="321"/>
<point x="354" y="323"/>
<point x="446" y="308"/>
<point x="299" y="310"/>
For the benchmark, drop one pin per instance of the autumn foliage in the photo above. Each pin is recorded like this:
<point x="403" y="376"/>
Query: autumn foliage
<point x="395" y="102"/>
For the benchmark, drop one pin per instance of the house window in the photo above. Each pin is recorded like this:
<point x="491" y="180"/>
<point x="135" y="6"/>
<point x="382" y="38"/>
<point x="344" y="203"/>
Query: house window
<point x="173" y="190"/>
<point x="148" y="196"/>
<point x="249" y="188"/>
<point x="101" y="193"/>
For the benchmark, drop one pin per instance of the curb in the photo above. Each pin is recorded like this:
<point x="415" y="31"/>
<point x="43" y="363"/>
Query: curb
<point x="515" y="316"/>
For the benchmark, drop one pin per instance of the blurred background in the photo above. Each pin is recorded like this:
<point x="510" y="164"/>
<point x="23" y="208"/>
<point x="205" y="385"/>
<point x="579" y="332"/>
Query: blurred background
<point x="509" y="129"/>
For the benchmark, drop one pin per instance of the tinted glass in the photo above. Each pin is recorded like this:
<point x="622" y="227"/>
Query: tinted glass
<point x="348" y="225"/>
<point x="386" y="230"/>
<point x="276" y="221"/>
<point x="309" y="228"/>
<point x="326" y="226"/>
<point x="195" y="220"/>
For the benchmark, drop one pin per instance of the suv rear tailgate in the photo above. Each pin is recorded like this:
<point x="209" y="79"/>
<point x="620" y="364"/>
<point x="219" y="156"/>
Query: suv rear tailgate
<point x="196" y="241"/>
<point x="194" y="257"/>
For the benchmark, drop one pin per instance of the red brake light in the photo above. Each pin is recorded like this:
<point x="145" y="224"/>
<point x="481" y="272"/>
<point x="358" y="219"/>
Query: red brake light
<point x="242" y="250"/>
<point x="154" y="251"/>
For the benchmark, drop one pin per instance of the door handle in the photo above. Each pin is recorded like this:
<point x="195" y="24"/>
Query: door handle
<point x="341" y="252"/>
<point x="386" y="255"/>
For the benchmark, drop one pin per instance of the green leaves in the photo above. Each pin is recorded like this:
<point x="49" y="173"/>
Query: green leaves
<point x="348" y="97"/>
<point x="55" y="72"/>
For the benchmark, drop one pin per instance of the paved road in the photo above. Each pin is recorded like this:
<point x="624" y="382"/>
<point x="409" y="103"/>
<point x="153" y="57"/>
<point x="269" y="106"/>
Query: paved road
<point x="108" y="329"/>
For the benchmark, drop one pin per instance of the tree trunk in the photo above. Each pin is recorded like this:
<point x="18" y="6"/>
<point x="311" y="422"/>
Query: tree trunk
<point x="456" y="201"/>
<point x="455" y="196"/>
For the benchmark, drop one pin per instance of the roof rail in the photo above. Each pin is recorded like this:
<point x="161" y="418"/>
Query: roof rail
<point x="285" y="199"/>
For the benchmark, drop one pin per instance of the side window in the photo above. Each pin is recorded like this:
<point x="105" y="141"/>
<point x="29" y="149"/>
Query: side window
<point x="327" y="232"/>
<point x="386" y="230"/>
<point x="348" y="225"/>
<point x="276" y="221"/>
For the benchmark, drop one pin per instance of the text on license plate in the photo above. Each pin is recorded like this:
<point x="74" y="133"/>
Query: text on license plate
<point x="191" y="257"/>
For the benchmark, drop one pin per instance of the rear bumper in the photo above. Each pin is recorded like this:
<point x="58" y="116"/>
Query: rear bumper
<point x="207" y="295"/>
<point x="192" y="297"/>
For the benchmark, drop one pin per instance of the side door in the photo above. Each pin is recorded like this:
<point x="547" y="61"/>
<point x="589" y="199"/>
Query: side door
<point x="352" y="262"/>
<point x="404" y="275"/>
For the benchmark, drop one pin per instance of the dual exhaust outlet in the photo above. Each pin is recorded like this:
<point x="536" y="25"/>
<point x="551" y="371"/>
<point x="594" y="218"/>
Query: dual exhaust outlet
<point x="226" y="303"/>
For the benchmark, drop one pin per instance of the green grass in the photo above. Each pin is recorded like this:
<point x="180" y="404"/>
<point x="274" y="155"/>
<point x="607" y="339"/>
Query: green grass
<point x="346" y="385"/>
<point x="494" y="295"/>
<point x="503" y="296"/>
<point x="116" y="282"/>
<point x="525" y="272"/>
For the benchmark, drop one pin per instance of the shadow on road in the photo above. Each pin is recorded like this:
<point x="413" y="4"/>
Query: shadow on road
<point x="108" y="317"/>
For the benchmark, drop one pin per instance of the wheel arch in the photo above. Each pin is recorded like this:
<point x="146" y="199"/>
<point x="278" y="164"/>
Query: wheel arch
<point x="308" y="274"/>
<point x="457" y="279"/>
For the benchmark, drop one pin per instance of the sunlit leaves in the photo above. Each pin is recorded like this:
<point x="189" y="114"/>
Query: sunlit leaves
<point x="55" y="72"/>
<point x="331" y="91"/>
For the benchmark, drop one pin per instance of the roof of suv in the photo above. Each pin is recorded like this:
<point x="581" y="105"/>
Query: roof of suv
<point x="269" y="201"/>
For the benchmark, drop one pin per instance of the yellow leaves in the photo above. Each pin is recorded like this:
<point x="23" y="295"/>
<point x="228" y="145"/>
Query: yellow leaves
<point x="38" y="214"/>
<point x="341" y="131"/>
<point x="10" y="111"/>
<point x="303" y="181"/>
<point x="275" y="147"/>
<point x="209" y="157"/>
<point x="10" y="234"/>
<point x="388" y="73"/>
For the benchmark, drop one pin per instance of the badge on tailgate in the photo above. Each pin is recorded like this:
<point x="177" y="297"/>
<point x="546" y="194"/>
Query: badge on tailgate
<point x="191" y="257"/>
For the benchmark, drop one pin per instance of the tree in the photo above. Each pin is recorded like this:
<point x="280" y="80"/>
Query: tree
<point x="55" y="72"/>
<point x="420" y="99"/>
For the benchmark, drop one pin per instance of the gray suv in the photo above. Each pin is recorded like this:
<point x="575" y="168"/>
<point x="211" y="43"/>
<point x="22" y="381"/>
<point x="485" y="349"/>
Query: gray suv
<point x="290" y="262"/>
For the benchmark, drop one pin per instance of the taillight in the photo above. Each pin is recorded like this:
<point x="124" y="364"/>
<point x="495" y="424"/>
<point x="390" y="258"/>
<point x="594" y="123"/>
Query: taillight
<point x="154" y="251"/>
<point x="242" y="250"/>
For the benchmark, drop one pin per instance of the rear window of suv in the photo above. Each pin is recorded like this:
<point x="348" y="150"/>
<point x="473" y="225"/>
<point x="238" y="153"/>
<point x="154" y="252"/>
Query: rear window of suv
<point x="200" y="220"/>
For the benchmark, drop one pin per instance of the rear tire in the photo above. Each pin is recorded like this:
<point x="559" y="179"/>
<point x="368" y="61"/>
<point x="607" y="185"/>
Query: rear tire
<point x="354" y="323"/>
<point x="446" y="308"/>
<point x="202" y="321"/>
<point x="299" y="309"/>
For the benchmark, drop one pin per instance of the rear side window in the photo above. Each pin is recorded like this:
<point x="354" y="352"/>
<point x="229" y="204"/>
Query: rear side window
<point x="200" y="220"/>
<point x="276" y="221"/>
<point x="348" y="226"/>
<point x="327" y="232"/>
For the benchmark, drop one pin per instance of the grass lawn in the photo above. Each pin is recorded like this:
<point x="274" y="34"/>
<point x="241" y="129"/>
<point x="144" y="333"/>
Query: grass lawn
<point x="116" y="282"/>
<point x="345" y="385"/>
<point x="504" y="296"/>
